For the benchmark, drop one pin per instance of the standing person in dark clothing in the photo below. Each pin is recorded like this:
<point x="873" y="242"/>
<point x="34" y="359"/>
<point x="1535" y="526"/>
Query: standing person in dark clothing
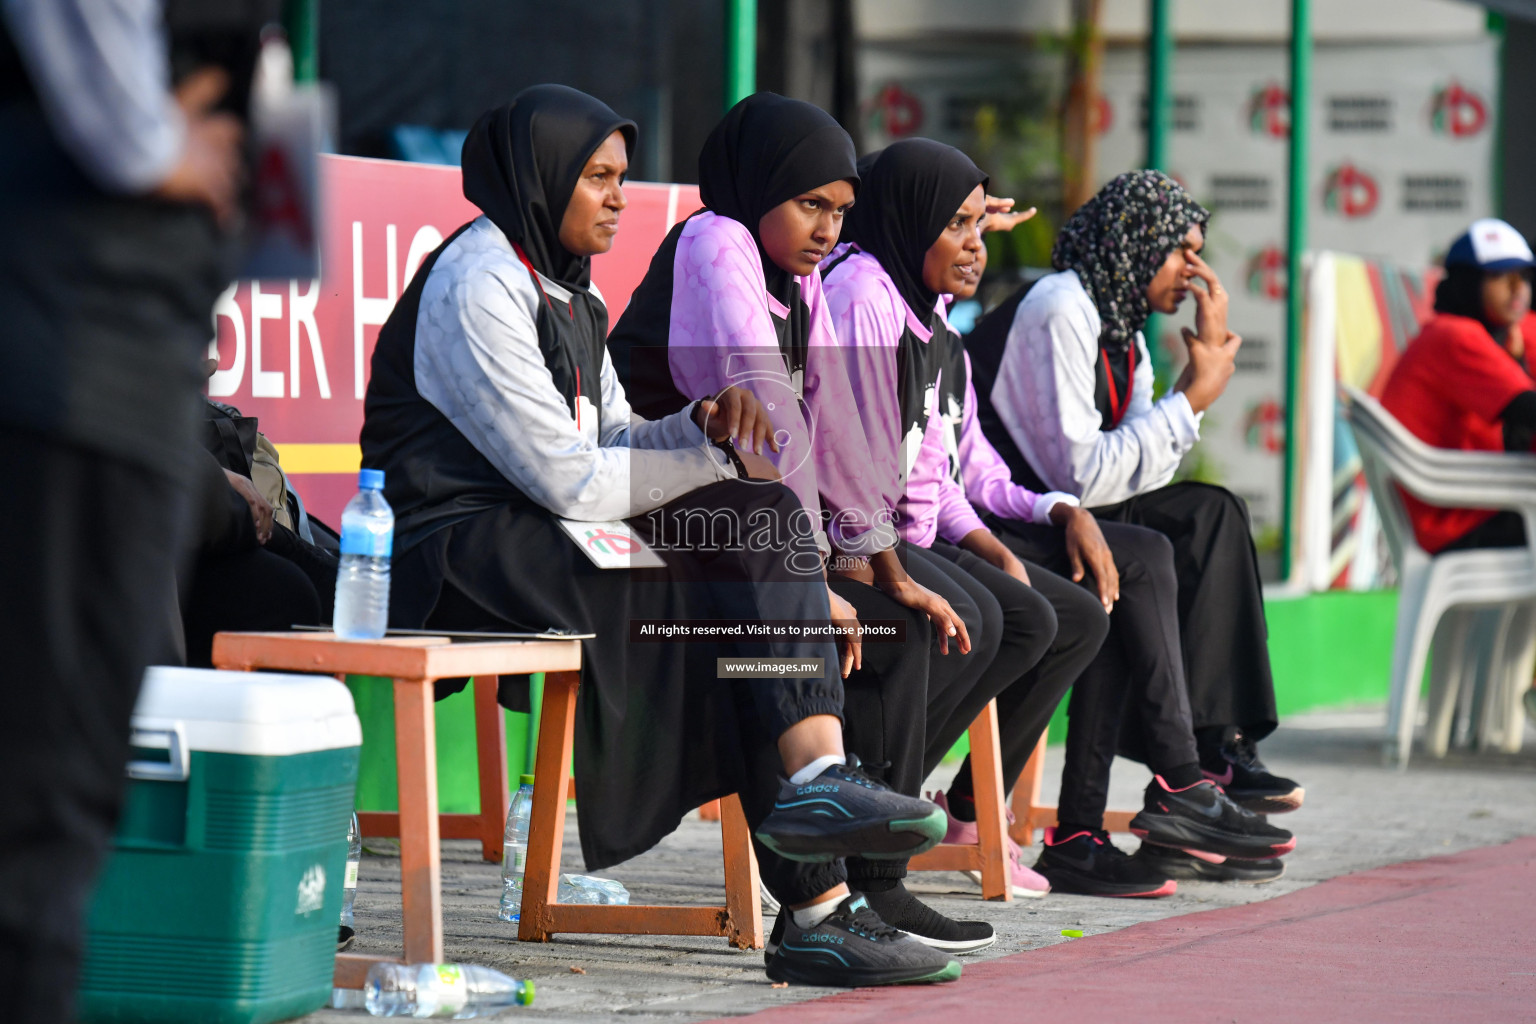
<point x="111" y="189"/>
<point x="1064" y="386"/>
<point x="495" y="413"/>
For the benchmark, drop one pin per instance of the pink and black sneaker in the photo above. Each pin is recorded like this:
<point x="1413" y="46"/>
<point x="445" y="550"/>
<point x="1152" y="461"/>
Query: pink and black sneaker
<point x="1203" y="821"/>
<point x="1027" y="884"/>
<point x="1088" y="864"/>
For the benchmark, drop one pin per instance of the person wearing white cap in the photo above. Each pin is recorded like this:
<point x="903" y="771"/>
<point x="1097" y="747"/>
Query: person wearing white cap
<point x="1465" y="382"/>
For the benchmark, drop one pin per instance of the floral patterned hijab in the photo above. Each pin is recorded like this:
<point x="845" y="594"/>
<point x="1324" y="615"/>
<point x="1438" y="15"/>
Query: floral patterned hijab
<point x="1117" y="241"/>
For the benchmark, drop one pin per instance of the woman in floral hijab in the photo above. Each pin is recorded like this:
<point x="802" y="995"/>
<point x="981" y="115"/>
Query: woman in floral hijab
<point x="1064" y="387"/>
<point x="1118" y="241"/>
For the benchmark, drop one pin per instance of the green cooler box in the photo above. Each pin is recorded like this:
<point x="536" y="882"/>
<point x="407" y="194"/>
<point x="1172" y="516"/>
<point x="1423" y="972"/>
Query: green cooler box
<point x="220" y="901"/>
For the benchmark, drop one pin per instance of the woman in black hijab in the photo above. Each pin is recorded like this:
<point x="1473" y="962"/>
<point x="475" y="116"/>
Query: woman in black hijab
<point x="734" y="287"/>
<point x="495" y="414"/>
<point x="914" y="234"/>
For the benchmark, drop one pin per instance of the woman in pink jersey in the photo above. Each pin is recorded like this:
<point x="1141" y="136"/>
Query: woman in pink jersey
<point x="734" y="298"/>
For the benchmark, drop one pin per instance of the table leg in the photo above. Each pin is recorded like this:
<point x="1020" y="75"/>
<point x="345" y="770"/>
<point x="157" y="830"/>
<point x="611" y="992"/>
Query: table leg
<point x="420" y="850"/>
<point x="491" y="757"/>
<point x="743" y="906"/>
<point x="546" y="829"/>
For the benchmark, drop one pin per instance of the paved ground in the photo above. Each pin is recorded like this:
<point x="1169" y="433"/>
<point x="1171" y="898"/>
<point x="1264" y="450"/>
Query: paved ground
<point x="1359" y="815"/>
<point x="1353" y="949"/>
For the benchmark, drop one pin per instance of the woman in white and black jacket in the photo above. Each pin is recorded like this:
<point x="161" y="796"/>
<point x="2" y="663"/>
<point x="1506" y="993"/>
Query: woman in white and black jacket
<point x="1064" y="383"/>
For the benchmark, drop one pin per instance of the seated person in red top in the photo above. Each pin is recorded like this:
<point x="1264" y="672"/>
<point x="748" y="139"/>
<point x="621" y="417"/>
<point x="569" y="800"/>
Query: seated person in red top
<point x="1464" y="382"/>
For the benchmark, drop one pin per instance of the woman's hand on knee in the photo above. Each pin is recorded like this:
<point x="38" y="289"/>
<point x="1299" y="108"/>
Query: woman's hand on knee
<point x="850" y="648"/>
<point x="1088" y="551"/>
<point x="911" y="594"/>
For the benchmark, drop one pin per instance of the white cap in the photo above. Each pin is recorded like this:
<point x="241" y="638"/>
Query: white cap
<point x="1490" y="244"/>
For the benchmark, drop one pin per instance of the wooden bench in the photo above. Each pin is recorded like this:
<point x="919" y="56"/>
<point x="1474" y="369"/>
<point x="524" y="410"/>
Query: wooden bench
<point x="413" y="664"/>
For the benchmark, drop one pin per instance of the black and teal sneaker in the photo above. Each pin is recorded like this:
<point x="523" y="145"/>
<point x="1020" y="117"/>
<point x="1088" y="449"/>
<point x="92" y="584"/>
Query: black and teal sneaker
<point x="843" y="812"/>
<point x="852" y="948"/>
<point x="1202" y="820"/>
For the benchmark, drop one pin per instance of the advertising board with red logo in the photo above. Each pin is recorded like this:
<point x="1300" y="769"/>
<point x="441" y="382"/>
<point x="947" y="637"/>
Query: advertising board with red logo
<point x="1401" y="153"/>
<point x="295" y="354"/>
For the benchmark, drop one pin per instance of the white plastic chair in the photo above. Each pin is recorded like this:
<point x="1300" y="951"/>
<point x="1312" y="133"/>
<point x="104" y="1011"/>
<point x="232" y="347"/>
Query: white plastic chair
<point x="1487" y="593"/>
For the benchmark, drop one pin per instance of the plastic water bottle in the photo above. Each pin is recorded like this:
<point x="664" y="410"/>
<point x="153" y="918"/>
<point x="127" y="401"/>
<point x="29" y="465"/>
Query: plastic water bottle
<point x="441" y="991"/>
<point x="514" y="857"/>
<point x="349" y="881"/>
<point x="591" y="889"/>
<point x="362" y="582"/>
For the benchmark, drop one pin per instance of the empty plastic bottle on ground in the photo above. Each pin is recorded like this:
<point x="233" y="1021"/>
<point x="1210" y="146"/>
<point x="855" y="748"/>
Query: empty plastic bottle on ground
<point x="362" y="582"/>
<point x="514" y="855"/>
<point x="349" y="882"/>
<point x="441" y="991"/>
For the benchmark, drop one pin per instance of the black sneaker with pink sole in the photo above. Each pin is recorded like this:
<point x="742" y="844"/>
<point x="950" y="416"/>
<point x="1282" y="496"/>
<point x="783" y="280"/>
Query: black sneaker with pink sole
<point x="1202" y="820"/>
<point x="1088" y="864"/>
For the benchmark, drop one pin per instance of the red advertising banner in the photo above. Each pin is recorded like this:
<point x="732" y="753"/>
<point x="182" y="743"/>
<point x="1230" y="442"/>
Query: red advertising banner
<point x="296" y="353"/>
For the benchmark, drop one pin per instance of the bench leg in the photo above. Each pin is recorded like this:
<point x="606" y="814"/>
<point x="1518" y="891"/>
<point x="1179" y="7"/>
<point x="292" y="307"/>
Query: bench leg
<point x="420" y="852"/>
<point x="1026" y="798"/>
<point x="491" y="758"/>
<point x="546" y="831"/>
<point x="991" y="814"/>
<point x="743" y="906"/>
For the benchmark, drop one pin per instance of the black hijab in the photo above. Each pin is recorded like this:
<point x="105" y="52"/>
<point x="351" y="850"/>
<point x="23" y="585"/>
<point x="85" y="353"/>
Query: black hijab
<point x="912" y="189"/>
<point x="766" y="150"/>
<point x="522" y="162"/>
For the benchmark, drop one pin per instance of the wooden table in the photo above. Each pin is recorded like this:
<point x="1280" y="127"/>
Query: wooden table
<point x="414" y="664"/>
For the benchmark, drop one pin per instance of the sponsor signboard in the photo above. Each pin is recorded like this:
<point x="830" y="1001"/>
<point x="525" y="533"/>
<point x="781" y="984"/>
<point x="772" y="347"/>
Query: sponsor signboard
<point x="296" y="354"/>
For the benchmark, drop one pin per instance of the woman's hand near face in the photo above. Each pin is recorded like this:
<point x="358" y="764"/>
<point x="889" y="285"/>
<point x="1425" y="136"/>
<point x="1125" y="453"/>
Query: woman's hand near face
<point x="1210" y="302"/>
<point x="1212" y="348"/>
<point x="1000" y="215"/>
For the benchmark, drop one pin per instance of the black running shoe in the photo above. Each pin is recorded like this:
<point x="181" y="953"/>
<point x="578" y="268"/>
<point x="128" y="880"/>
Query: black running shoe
<point x="1236" y="768"/>
<point x="1088" y="864"/>
<point x="900" y="909"/>
<point x="852" y="948"/>
<point x="844" y="813"/>
<point x="1181" y="865"/>
<point x="1202" y="820"/>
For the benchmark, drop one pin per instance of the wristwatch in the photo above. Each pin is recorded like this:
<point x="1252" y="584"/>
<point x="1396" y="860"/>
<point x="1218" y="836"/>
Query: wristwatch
<point x="729" y="448"/>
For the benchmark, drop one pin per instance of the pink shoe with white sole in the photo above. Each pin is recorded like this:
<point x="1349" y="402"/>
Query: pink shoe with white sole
<point x="1026" y="882"/>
